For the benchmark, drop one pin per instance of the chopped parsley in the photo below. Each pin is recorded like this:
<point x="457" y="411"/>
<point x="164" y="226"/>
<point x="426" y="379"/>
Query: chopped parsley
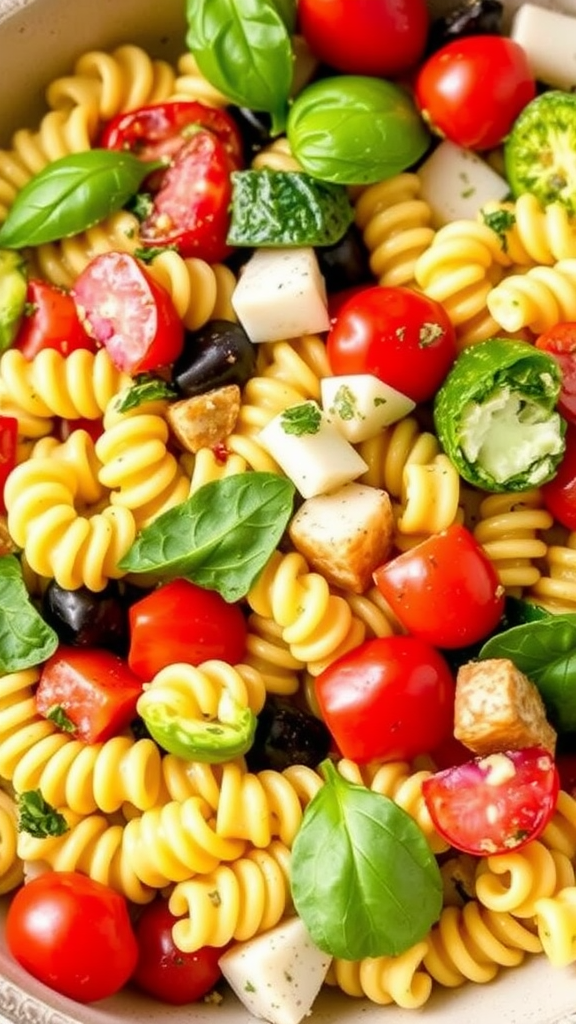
<point x="57" y="715"/>
<point x="346" y="404"/>
<point x="37" y="817"/>
<point x="302" y="419"/>
<point x="429" y="333"/>
<point x="500" y="222"/>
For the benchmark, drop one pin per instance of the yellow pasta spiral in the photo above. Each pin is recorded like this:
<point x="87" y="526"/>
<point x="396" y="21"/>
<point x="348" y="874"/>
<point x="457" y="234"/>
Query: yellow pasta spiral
<point x="200" y="291"/>
<point x="509" y="528"/>
<point x="63" y="261"/>
<point x="537" y="299"/>
<point x="513" y="882"/>
<point x="556" y="924"/>
<point x="21" y="727"/>
<point x="11" y="866"/>
<point x="429" y="501"/>
<point x="555" y="588"/>
<point x="390" y="453"/>
<point x="235" y="901"/>
<point x="385" y="979"/>
<point x="396" y="227"/>
<point x="268" y="652"/>
<point x="276" y="156"/>
<point x="190" y="84"/>
<point x="534" y="234"/>
<point x="560" y="832"/>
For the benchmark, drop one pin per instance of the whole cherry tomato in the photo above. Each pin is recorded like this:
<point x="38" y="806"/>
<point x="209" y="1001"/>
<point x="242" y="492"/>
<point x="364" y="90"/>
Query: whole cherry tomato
<point x="559" y="494"/>
<point x="73" y="934"/>
<point x="399" y="335"/>
<point x="163" y="970"/>
<point x="444" y="590"/>
<point x="560" y="342"/>
<point x="494" y="804"/>
<point x="472" y="90"/>
<point x="366" y="37"/>
<point x="50" y="321"/>
<point x="391" y="698"/>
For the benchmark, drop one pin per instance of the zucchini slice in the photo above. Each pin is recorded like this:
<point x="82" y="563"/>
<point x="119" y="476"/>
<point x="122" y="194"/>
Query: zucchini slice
<point x="540" y="152"/>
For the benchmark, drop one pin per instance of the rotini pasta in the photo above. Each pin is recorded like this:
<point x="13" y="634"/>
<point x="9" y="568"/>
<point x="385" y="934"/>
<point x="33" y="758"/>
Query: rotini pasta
<point x="385" y="979"/>
<point x="538" y="299"/>
<point x="513" y="882"/>
<point x="555" y="588"/>
<point x="511" y="529"/>
<point x="556" y="924"/>
<point x="530" y="233"/>
<point x="396" y="227"/>
<point x="199" y="290"/>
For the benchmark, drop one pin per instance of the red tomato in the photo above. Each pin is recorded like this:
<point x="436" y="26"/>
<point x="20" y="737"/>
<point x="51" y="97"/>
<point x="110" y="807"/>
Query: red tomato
<point x="191" y="209"/>
<point x="163" y="970"/>
<point x="160" y="130"/>
<point x="566" y="765"/>
<point x="444" y="590"/>
<point x="128" y="313"/>
<point x="560" y="342"/>
<point x="8" y="446"/>
<point x="183" y="622"/>
<point x="390" y="698"/>
<point x="95" y="690"/>
<point x="73" y="934"/>
<point x="494" y="804"/>
<point x="51" y="321"/>
<point x="559" y="494"/>
<point x="397" y="334"/>
<point x="472" y="90"/>
<point x="365" y="37"/>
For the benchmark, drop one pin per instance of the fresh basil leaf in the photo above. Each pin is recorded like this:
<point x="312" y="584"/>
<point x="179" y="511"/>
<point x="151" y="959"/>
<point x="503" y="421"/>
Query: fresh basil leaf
<point x="146" y="387"/>
<point x="25" y="639"/>
<point x="38" y="818"/>
<point x="244" y="49"/>
<point x="354" y="130"/>
<point x="545" y="651"/>
<point x="364" y="879"/>
<point x="71" y="194"/>
<point x="221" y="537"/>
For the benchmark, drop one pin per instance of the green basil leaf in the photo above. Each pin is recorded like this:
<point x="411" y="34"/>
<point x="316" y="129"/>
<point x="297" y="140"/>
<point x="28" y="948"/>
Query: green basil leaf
<point x="38" y="818"/>
<point x="145" y="387"/>
<point x="221" y="537"/>
<point x="25" y="639"/>
<point x="364" y="879"/>
<point x="354" y="130"/>
<point x="244" y="49"/>
<point x="545" y="651"/>
<point x="71" y="194"/>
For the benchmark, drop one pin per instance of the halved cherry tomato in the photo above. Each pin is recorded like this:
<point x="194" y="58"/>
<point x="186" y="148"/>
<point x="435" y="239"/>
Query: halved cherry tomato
<point x="8" y="446"/>
<point x="444" y="590"/>
<point x="391" y="698"/>
<point x="494" y="804"/>
<point x="560" y="342"/>
<point x="159" y="130"/>
<point x="88" y="691"/>
<point x="128" y="313"/>
<point x="191" y="209"/>
<point x="180" y="621"/>
<point x="50" y="321"/>
<point x="163" y="970"/>
<point x="559" y="494"/>
<point x="399" y="335"/>
<point x="73" y="934"/>
<point x="365" y="37"/>
<point x="472" y="89"/>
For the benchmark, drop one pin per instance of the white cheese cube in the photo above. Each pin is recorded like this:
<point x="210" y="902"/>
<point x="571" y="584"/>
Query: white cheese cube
<point x="311" y="450"/>
<point x="361" y="405"/>
<point x="277" y="975"/>
<point x="281" y="294"/>
<point x="455" y="182"/>
<point x="549" y="39"/>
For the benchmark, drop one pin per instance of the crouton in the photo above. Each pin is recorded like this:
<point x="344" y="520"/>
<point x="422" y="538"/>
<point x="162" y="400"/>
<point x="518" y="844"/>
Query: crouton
<point x="345" y="534"/>
<point x="204" y="420"/>
<point x="498" y="708"/>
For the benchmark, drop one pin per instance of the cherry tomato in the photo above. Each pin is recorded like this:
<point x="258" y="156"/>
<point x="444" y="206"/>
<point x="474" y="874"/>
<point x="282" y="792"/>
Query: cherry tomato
<point x="182" y="622"/>
<point x="91" y="691"/>
<point x="444" y="590"/>
<point x="366" y="37"/>
<point x="128" y="313"/>
<point x="494" y="804"/>
<point x="73" y="934"/>
<point x="391" y="698"/>
<point x="51" y="321"/>
<point x="191" y="209"/>
<point x="559" y="494"/>
<point x="566" y="765"/>
<point x="472" y="90"/>
<point x="160" y="130"/>
<point x="8" y="447"/>
<point x="397" y="334"/>
<point x="163" y="970"/>
<point x="560" y="342"/>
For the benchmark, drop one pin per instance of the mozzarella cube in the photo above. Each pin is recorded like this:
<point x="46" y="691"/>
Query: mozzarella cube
<point x="311" y="450"/>
<point x="277" y="975"/>
<point x="281" y="294"/>
<point x="455" y="182"/>
<point x="361" y="405"/>
<point x="549" y="39"/>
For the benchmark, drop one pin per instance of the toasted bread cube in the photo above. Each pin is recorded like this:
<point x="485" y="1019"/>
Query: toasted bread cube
<point x="345" y="534"/>
<point x="499" y="708"/>
<point x="204" y="420"/>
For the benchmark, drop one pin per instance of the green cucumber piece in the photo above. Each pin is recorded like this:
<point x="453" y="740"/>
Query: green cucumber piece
<point x="13" y="288"/>
<point x="286" y="208"/>
<point x="495" y="415"/>
<point x="540" y="152"/>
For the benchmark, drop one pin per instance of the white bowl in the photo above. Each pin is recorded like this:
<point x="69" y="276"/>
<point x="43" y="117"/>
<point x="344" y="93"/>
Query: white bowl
<point x="38" y="40"/>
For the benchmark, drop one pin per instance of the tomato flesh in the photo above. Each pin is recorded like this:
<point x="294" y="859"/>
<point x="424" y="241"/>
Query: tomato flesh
<point x="560" y="342"/>
<point x="51" y="321"/>
<point x="494" y="804"/>
<point x="163" y="970"/>
<point x="8" y="448"/>
<point x="559" y="494"/>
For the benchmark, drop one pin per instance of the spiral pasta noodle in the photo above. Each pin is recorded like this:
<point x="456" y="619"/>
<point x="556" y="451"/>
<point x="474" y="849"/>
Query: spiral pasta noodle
<point x="276" y="156"/>
<point x="62" y="262"/>
<point x="200" y="291"/>
<point x="513" y="882"/>
<point x="396" y="227"/>
<point x="430" y="498"/>
<point x="556" y="924"/>
<point x="555" y="588"/>
<point x="385" y="979"/>
<point x="11" y="866"/>
<point x="560" y="832"/>
<point x="269" y="654"/>
<point x="510" y="529"/>
<point x="537" y="299"/>
<point x="389" y="454"/>
<point x="532" y="234"/>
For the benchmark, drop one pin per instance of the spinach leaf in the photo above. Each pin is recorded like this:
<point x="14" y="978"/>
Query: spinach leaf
<point x="545" y="651"/>
<point x="364" y="879"/>
<point x="25" y="639"/>
<point x="221" y="537"/>
<point x="244" y="48"/>
<point x="71" y="194"/>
